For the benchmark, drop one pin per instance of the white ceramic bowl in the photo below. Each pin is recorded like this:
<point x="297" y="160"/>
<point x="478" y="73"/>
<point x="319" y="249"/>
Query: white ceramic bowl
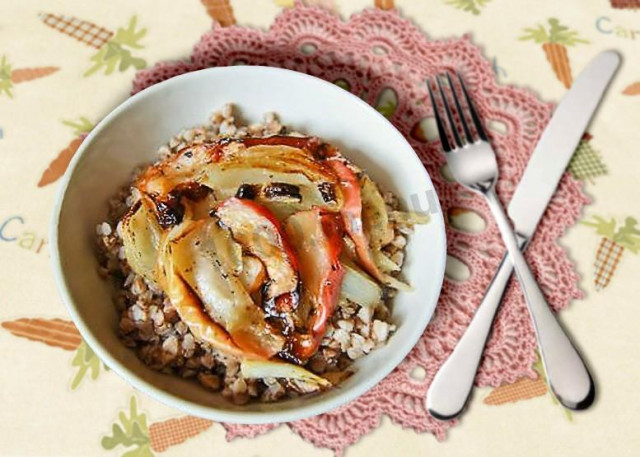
<point x="131" y="134"/>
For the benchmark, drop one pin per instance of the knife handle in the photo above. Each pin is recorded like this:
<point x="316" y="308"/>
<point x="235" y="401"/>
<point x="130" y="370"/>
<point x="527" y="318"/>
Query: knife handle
<point x="567" y="373"/>
<point x="451" y="387"/>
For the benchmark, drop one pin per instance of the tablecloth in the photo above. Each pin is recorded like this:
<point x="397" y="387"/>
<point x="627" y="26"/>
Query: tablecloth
<point x="65" y="64"/>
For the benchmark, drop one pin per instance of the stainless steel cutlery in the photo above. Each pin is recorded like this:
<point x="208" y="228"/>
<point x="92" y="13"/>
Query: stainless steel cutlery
<point x="472" y="162"/>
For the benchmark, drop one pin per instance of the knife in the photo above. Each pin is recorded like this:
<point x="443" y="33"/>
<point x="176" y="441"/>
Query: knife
<point x="451" y="388"/>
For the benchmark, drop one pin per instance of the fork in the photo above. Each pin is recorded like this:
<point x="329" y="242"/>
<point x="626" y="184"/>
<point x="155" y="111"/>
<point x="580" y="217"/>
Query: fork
<point x="473" y="164"/>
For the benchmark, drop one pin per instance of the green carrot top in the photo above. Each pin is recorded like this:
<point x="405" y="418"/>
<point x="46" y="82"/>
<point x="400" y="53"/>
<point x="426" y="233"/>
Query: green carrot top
<point x="472" y="6"/>
<point x="627" y="235"/>
<point x="5" y="68"/>
<point x="132" y="431"/>
<point x="116" y="53"/>
<point x="131" y="35"/>
<point x="556" y="33"/>
<point x="82" y="125"/>
<point x="5" y="77"/>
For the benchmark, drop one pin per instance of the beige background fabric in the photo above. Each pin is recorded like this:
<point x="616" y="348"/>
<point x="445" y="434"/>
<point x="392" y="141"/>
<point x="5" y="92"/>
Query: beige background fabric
<point x="40" y="414"/>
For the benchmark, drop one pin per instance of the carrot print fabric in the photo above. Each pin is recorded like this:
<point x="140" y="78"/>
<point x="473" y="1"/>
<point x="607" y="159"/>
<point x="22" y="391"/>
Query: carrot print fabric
<point x="65" y="65"/>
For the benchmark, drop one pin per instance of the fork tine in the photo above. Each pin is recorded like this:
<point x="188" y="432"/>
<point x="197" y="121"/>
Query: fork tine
<point x="452" y="123"/>
<point x="472" y="110"/>
<point x="463" y="118"/>
<point x="442" y="131"/>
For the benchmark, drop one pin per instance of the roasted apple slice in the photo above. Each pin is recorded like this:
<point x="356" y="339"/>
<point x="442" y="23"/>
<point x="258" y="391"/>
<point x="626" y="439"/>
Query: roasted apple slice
<point x="188" y="304"/>
<point x="283" y="178"/>
<point x="202" y="255"/>
<point x="352" y="215"/>
<point x="316" y="236"/>
<point x="259" y="232"/>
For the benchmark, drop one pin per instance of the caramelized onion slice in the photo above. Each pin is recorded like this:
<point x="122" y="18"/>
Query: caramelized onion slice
<point x="375" y="218"/>
<point x="141" y="235"/>
<point x="303" y="379"/>
<point x="225" y="166"/>
<point x="359" y="287"/>
<point x="228" y="178"/>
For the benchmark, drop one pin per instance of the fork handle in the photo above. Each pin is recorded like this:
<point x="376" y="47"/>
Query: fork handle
<point x="451" y="388"/>
<point x="566" y="371"/>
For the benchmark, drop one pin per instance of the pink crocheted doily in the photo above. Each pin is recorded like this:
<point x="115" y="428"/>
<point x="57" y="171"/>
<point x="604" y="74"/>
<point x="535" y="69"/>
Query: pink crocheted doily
<point x="375" y="50"/>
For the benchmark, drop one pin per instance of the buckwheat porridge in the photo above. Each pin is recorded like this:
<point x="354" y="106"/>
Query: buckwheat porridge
<point x="256" y="260"/>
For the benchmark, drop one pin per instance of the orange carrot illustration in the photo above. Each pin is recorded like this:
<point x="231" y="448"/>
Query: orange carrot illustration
<point x="525" y="389"/>
<point x="132" y="433"/>
<point x="9" y="76"/>
<point x="84" y="31"/>
<point x="385" y="4"/>
<point x="59" y="165"/>
<point x="21" y="75"/>
<point x="633" y="89"/>
<point x="172" y="432"/>
<point x="607" y="259"/>
<point x="114" y="48"/>
<point x="615" y="240"/>
<point x="52" y="332"/>
<point x="554" y="42"/>
<point x="558" y="58"/>
<point x="61" y="334"/>
<point x="626" y="4"/>
<point x="220" y="11"/>
<point x="522" y="389"/>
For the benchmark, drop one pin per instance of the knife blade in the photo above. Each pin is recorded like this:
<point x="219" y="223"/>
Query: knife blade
<point x="558" y="143"/>
<point x="451" y="387"/>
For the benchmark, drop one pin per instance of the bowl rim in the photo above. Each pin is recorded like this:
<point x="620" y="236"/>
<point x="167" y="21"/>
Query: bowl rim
<point x="211" y="412"/>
